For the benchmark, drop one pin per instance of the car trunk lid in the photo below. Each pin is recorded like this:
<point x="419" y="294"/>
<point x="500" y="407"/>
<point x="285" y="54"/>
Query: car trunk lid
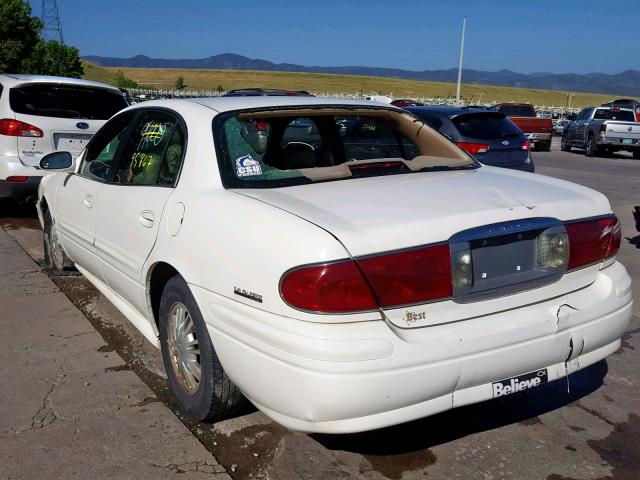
<point x="381" y="214"/>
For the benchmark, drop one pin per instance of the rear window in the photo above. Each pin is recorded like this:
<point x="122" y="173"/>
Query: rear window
<point x="66" y="101"/>
<point x="485" y="126"/>
<point x="517" y="110"/>
<point x="606" y="114"/>
<point x="275" y="148"/>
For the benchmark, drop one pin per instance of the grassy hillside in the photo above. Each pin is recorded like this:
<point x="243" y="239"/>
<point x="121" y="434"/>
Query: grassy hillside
<point x="162" y="78"/>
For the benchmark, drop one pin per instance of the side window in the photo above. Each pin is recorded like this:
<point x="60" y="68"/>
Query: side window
<point x="100" y="157"/>
<point x="154" y="151"/>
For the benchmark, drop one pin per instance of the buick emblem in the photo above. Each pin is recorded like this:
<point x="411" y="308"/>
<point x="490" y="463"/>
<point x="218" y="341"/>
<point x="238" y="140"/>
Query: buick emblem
<point x="82" y="125"/>
<point x="505" y="142"/>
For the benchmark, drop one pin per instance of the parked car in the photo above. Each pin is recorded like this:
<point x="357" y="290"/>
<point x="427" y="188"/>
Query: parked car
<point x="266" y="92"/>
<point x="490" y="136"/>
<point x="537" y="130"/>
<point x="406" y="102"/>
<point x="603" y="131"/>
<point x="39" y="115"/>
<point x="559" y="127"/>
<point x="340" y="282"/>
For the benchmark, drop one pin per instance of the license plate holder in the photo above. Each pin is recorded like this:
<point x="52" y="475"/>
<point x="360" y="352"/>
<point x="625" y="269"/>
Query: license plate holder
<point x="71" y="143"/>
<point x="520" y="383"/>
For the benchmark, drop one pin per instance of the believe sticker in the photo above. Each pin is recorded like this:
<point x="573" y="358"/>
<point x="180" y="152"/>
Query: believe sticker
<point x="247" y="167"/>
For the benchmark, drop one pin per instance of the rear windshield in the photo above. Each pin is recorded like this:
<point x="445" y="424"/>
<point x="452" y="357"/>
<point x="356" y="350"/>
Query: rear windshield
<point x="274" y="148"/>
<point x="606" y="114"/>
<point x="66" y="101"/>
<point x="485" y="126"/>
<point x="517" y="110"/>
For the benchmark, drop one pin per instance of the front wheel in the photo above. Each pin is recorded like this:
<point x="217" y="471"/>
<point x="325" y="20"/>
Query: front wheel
<point x="195" y="374"/>
<point x="55" y="258"/>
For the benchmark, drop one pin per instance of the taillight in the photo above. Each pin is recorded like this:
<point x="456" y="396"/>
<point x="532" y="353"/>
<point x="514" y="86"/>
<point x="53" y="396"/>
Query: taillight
<point x="526" y="145"/>
<point x="603" y="129"/>
<point x="473" y="148"/>
<point x="16" y="128"/>
<point x="402" y="278"/>
<point x="330" y="288"/>
<point x="17" y="179"/>
<point x="592" y="241"/>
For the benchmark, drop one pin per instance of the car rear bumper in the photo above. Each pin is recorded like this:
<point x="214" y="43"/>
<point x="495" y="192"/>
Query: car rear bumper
<point x="353" y="377"/>
<point x="538" y="137"/>
<point x="19" y="191"/>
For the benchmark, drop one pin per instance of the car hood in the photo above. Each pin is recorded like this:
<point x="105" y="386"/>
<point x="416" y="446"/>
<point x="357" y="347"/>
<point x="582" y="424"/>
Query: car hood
<point x="377" y="214"/>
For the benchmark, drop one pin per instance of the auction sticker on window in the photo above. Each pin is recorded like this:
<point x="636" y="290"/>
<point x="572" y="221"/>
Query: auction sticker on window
<point x="247" y="166"/>
<point x="519" y="383"/>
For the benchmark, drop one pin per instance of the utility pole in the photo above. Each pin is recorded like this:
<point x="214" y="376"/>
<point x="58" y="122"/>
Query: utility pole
<point x="51" y="19"/>
<point x="464" y="26"/>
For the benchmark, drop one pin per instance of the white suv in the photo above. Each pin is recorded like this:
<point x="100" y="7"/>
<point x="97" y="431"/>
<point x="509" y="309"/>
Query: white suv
<point x="41" y="114"/>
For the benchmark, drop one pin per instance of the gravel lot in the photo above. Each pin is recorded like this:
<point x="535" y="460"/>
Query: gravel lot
<point x="592" y="432"/>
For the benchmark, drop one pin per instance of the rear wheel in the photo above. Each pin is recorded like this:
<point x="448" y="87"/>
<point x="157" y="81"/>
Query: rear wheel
<point x="545" y="146"/>
<point x="55" y="258"/>
<point x="565" y="146"/>
<point x="590" y="149"/>
<point x="195" y="373"/>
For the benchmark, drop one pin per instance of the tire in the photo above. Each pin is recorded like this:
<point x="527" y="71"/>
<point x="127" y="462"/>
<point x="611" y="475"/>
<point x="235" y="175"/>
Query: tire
<point x="55" y="258"/>
<point x="546" y="146"/>
<point x="636" y="154"/>
<point x="565" y="146"/>
<point x="590" y="148"/>
<point x="213" y="396"/>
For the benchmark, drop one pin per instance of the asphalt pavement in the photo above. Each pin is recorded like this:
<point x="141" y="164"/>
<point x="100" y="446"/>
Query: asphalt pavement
<point x="84" y="396"/>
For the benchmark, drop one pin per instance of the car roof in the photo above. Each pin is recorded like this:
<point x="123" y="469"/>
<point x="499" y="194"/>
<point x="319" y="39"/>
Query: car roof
<point x="225" y="104"/>
<point x="12" y="80"/>
<point x="448" y="111"/>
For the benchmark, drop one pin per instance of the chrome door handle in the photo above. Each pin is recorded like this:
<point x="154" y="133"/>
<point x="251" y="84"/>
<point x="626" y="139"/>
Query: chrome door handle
<point x="147" y="218"/>
<point x="88" y="201"/>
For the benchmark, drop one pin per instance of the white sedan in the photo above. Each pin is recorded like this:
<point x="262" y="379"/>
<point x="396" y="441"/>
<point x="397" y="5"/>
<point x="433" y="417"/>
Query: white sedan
<point x="338" y="263"/>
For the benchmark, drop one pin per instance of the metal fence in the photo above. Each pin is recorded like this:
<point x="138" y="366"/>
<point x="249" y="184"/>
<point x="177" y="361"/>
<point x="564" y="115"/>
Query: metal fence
<point x="144" y="94"/>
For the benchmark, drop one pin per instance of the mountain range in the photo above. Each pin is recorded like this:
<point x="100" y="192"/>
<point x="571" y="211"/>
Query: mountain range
<point x="625" y="83"/>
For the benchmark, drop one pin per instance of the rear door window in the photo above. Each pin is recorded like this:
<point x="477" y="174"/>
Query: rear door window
<point x="66" y="101"/>
<point x="154" y="151"/>
<point x="485" y="126"/>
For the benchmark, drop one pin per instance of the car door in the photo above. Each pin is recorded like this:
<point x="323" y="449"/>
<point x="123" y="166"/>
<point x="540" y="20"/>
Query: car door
<point x="130" y="206"/>
<point x="583" y="125"/>
<point x="77" y="195"/>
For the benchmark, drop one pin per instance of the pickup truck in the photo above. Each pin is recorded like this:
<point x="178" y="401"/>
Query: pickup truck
<point x="538" y="130"/>
<point x="601" y="131"/>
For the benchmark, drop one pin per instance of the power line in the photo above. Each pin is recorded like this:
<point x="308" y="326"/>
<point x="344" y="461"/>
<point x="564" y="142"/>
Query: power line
<point x="51" y="19"/>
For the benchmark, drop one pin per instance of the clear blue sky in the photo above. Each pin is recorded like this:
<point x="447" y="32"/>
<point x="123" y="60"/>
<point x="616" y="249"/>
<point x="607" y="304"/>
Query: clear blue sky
<point x="559" y="36"/>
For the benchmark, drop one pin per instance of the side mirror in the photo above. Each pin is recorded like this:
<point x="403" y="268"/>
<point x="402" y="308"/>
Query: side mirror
<point x="56" y="161"/>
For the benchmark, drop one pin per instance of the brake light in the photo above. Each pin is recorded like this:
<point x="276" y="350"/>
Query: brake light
<point x="412" y="276"/>
<point x="593" y="241"/>
<point x="603" y="129"/>
<point x="387" y="280"/>
<point x="17" y="179"/>
<point x="330" y="288"/>
<point x="16" y="128"/>
<point x="473" y="148"/>
<point x="526" y="145"/>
